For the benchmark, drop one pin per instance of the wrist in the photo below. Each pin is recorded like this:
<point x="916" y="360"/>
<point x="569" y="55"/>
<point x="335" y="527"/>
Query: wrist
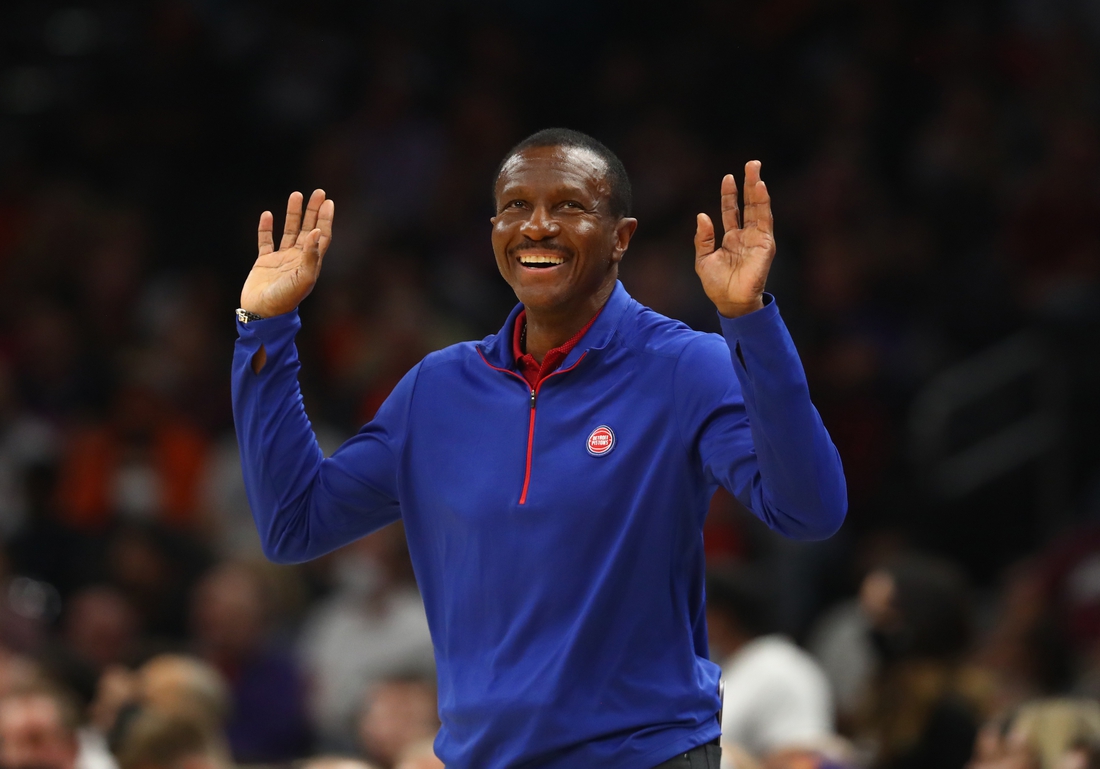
<point x="248" y="316"/>
<point x="736" y="310"/>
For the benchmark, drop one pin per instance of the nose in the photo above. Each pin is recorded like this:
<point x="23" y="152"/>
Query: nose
<point x="540" y="225"/>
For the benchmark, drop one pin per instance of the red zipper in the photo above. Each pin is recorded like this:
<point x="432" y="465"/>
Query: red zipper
<point x="531" y="423"/>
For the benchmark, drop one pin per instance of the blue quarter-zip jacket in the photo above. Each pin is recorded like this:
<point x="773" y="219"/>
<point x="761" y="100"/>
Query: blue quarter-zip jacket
<point x="563" y="587"/>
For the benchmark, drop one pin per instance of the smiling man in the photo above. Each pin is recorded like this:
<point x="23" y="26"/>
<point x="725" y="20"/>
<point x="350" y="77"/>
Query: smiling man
<point x="554" y="477"/>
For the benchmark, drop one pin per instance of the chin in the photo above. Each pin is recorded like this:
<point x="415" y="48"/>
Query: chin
<point x="541" y="297"/>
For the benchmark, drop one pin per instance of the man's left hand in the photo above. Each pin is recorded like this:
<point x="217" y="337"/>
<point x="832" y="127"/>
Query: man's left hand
<point x="734" y="273"/>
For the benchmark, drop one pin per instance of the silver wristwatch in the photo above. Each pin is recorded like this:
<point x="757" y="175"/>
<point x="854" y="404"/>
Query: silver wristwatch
<point x="244" y="316"/>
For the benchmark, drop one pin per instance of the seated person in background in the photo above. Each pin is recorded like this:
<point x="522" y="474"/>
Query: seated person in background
<point x="419" y="755"/>
<point x="776" y="695"/>
<point x="157" y="740"/>
<point x="926" y="701"/>
<point x="332" y="762"/>
<point x="397" y="713"/>
<point x="1043" y="734"/>
<point x="371" y="627"/>
<point x="169" y="684"/>
<point x="38" y="729"/>
<point x="232" y="613"/>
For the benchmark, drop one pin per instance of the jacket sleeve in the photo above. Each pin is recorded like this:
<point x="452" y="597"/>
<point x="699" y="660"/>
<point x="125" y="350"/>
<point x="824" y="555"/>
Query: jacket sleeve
<point x="745" y="412"/>
<point x="306" y="505"/>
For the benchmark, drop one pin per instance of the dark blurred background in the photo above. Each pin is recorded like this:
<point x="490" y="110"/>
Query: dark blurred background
<point x="934" y="171"/>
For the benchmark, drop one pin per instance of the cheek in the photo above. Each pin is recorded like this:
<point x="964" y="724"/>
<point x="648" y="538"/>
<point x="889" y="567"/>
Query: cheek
<point x="599" y="242"/>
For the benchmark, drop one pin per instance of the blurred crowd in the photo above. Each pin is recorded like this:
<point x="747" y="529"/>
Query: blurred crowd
<point x="935" y="170"/>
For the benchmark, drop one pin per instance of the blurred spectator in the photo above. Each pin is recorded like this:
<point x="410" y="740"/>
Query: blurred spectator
<point x="143" y="464"/>
<point x="333" y="762"/>
<point x="175" y="684"/>
<point x="372" y="627"/>
<point x="231" y="616"/>
<point x="841" y="639"/>
<point x="776" y="695"/>
<point x="26" y="441"/>
<point x="158" y="740"/>
<point x="1044" y="734"/>
<point x="926" y="704"/>
<point x="1026" y="649"/>
<point x="40" y="729"/>
<point x="100" y="627"/>
<point x="154" y="567"/>
<point x="16" y="671"/>
<point x="168" y="684"/>
<point x="397" y="713"/>
<point x="418" y="755"/>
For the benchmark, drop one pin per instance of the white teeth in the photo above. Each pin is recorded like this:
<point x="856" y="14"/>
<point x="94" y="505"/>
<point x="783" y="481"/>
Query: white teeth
<point x="540" y="259"/>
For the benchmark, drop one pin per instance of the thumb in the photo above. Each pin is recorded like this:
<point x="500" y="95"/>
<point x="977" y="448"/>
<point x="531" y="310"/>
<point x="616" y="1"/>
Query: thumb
<point x="704" y="236"/>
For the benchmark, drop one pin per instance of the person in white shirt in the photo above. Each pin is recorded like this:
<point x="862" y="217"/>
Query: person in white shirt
<point x="371" y="628"/>
<point x="776" y="696"/>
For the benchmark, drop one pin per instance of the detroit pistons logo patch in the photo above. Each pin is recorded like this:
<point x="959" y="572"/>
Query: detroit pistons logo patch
<point x="601" y="441"/>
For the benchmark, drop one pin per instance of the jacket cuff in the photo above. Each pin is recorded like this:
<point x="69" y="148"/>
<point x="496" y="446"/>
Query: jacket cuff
<point x="270" y="330"/>
<point x="758" y="322"/>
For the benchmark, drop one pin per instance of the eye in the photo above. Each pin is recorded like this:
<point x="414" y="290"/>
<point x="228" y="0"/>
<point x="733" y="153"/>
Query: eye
<point x="513" y="204"/>
<point x="573" y="204"/>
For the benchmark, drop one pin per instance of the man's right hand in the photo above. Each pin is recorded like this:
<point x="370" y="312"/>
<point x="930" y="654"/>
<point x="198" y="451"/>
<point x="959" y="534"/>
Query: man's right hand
<point x="281" y="279"/>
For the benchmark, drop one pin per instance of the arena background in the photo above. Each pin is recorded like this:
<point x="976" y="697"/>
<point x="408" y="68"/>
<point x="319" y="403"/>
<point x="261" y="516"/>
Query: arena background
<point x="934" y="171"/>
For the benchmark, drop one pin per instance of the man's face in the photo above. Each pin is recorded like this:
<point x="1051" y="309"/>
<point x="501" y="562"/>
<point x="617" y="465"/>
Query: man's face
<point x="32" y="735"/>
<point x="555" y="239"/>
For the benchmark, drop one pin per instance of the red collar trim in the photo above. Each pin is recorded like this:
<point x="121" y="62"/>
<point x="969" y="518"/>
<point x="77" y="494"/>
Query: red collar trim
<point x="532" y="371"/>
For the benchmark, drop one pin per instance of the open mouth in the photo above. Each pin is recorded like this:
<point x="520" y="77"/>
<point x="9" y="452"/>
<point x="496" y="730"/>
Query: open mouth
<point x="541" y="261"/>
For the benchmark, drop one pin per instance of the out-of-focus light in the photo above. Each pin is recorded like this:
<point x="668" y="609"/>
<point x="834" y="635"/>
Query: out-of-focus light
<point x="34" y="600"/>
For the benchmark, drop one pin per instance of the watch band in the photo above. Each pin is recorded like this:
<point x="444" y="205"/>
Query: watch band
<point x="244" y="316"/>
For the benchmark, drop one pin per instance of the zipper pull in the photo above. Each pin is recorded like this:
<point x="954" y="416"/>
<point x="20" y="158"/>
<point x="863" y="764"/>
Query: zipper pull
<point x="532" y="398"/>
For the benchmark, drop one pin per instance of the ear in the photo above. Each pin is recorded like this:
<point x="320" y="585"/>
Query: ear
<point x="624" y="231"/>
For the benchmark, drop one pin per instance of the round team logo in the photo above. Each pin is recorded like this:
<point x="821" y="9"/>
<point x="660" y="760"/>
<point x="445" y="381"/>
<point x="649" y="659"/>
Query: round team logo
<point x="601" y="441"/>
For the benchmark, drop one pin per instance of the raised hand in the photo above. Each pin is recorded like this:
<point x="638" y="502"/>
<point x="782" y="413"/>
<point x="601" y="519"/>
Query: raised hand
<point x="734" y="273"/>
<point x="281" y="279"/>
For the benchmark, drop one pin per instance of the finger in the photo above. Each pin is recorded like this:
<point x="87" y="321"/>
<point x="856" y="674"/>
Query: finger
<point x="312" y="207"/>
<point x="293" y="220"/>
<point x="324" y="224"/>
<point x="263" y="233"/>
<point x="704" y="236"/>
<point x="731" y="214"/>
<point x="311" y="255"/>
<point x="758" y="213"/>
<point x="758" y="203"/>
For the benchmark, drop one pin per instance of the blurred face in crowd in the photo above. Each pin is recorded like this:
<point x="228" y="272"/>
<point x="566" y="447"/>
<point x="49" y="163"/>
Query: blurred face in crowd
<point x="100" y="626"/>
<point x="556" y="242"/>
<point x="179" y="685"/>
<point x="397" y="715"/>
<point x="33" y="734"/>
<point x="877" y="597"/>
<point x="227" y="612"/>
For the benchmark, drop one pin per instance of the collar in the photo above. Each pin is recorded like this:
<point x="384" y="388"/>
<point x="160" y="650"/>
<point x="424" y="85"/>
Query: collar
<point x="497" y="348"/>
<point x="535" y="371"/>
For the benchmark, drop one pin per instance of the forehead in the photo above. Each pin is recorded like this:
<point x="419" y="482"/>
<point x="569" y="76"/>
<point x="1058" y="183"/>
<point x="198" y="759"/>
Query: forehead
<point x="555" y="167"/>
<point x="29" y="711"/>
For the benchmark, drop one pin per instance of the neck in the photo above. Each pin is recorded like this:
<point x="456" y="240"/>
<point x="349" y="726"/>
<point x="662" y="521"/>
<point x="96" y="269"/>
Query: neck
<point x="550" y="328"/>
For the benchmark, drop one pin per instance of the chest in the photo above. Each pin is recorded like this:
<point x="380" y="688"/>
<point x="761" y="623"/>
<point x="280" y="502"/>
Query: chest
<point x="484" y="447"/>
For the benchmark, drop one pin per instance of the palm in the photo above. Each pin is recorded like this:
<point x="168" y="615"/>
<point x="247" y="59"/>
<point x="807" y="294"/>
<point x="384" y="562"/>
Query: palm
<point x="734" y="273"/>
<point x="281" y="279"/>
